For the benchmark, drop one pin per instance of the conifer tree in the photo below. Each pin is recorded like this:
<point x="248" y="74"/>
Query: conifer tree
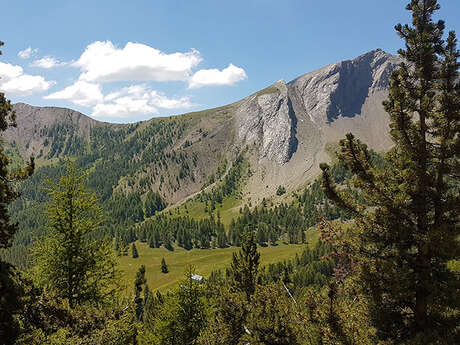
<point x="134" y="252"/>
<point x="153" y="204"/>
<point x="272" y="320"/>
<point x="191" y="315"/>
<point x="221" y="236"/>
<point x="138" y="284"/>
<point x="151" y="242"/>
<point x="407" y="228"/>
<point x="244" y="267"/>
<point x="10" y="285"/>
<point x="150" y="302"/>
<point x="164" y="267"/>
<point x="68" y="262"/>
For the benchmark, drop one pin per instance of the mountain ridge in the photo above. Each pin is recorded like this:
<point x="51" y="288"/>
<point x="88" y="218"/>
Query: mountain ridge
<point x="284" y="128"/>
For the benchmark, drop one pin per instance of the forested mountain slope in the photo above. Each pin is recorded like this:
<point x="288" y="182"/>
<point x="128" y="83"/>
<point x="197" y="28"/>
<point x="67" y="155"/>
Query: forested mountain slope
<point x="244" y="151"/>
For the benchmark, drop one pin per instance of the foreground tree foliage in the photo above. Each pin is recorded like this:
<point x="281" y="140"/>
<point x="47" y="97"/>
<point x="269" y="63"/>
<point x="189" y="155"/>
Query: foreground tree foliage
<point x="244" y="267"/>
<point x="179" y="317"/>
<point x="49" y="321"/>
<point x="69" y="262"/>
<point x="407" y="226"/>
<point x="273" y="318"/>
<point x="233" y="296"/>
<point x="10" y="281"/>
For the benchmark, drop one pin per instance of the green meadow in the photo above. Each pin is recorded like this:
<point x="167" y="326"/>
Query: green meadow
<point x="205" y="261"/>
<point x="194" y="208"/>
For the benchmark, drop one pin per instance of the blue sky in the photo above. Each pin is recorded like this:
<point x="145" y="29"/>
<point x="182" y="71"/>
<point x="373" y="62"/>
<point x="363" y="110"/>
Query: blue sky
<point x="124" y="61"/>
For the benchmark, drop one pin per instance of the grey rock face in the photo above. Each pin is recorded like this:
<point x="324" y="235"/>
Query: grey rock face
<point x="340" y="90"/>
<point x="267" y="119"/>
<point x="321" y="97"/>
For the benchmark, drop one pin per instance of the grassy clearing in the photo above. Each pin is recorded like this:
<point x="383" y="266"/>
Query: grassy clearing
<point x="196" y="209"/>
<point x="205" y="260"/>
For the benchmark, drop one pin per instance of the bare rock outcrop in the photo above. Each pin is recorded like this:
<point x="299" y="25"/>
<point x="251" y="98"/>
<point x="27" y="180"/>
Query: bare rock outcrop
<point x="320" y="100"/>
<point x="266" y="119"/>
<point x="341" y="89"/>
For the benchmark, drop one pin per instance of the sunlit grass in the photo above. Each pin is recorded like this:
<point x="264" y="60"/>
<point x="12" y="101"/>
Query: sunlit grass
<point x="205" y="261"/>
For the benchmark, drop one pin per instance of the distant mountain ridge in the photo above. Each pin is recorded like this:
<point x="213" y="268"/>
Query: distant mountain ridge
<point x="283" y="129"/>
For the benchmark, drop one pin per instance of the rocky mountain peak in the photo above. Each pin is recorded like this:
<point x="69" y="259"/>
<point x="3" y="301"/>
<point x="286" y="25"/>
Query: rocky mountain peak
<point x="269" y="117"/>
<point x="340" y="89"/>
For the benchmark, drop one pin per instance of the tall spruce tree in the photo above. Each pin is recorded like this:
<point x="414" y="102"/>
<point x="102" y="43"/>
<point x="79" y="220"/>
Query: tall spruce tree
<point x="164" y="267"/>
<point x="407" y="229"/>
<point x="10" y="282"/>
<point x="68" y="261"/>
<point x="191" y="316"/>
<point x="139" y="283"/>
<point x="134" y="251"/>
<point x="244" y="267"/>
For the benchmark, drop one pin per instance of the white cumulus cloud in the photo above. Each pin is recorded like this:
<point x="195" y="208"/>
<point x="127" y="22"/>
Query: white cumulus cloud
<point x="161" y="101"/>
<point x="47" y="62"/>
<point x="137" y="100"/>
<point x="137" y="91"/>
<point x="124" y="107"/>
<point x="81" y="93"/>
<point x="207" y="77"/>
<point x="14" y="81"/>
<point x="103" y="62"/>
<point x="27" y="53"/>
<point x="124" y="103"/>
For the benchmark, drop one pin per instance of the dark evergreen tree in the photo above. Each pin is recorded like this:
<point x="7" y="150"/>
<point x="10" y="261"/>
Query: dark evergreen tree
<point x="151" y="241"/>
<point x="280" y="190"/>
<point x="191" y="316"/>
<point x="272" y="320"/>
<point x="244" y="267"/>
<point x="153" y="203"/>
<point x="134" y="252"/>
<point x="188" y="240"/>
<point x="150" y="302"/>
<point x="139" y="283"/>
<point x="221" y="236"/>
<point x="407" y="223"/>
<point x="164" y="267"/>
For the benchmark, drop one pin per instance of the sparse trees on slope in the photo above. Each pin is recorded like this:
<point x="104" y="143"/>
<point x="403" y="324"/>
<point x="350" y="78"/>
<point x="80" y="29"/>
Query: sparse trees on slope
<point x="408" y="226"/>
